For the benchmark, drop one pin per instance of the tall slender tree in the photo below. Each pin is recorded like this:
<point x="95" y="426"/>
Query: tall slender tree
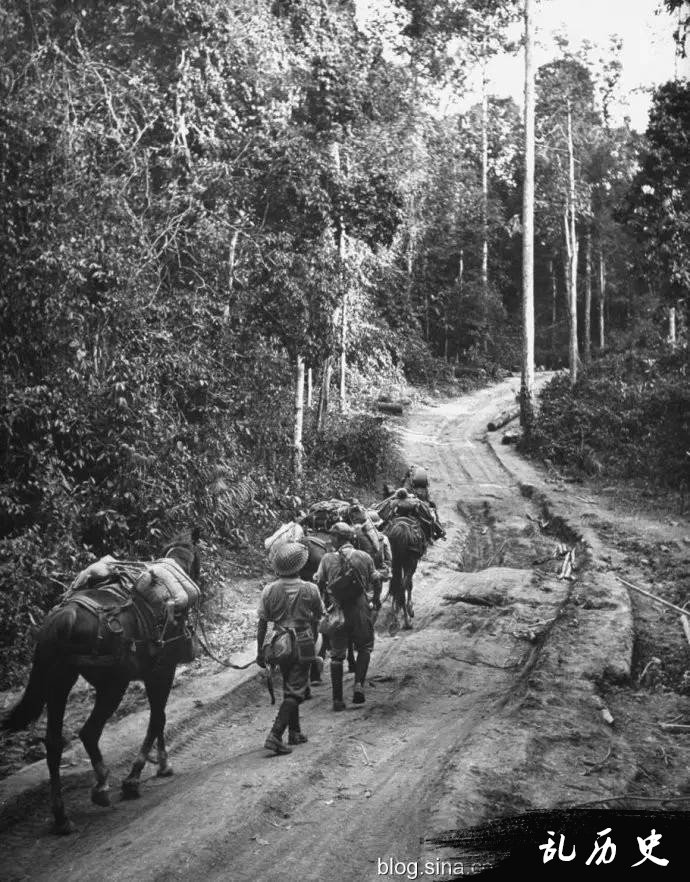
<point x="527" y="385"/>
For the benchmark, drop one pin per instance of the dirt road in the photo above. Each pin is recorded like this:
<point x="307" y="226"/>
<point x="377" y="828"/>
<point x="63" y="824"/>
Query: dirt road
<point x="495" y="703"/>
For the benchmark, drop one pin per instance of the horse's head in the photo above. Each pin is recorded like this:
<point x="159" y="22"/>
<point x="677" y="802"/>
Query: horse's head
<point x="183" y="548"/>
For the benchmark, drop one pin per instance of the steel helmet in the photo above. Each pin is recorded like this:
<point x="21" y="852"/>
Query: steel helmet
<point x="340" y="528"/>
<point x="290" y="558"/>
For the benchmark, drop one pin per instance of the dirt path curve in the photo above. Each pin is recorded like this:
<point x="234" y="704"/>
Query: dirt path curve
<point x="474" y="713"/>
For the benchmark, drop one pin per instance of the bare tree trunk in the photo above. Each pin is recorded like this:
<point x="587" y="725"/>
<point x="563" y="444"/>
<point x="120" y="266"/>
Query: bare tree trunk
<point x="310" y="388"/>
<point x="588" y="295"/>
<point x="672" y="325"/>
<point x="485" y="184"/>
<point x="426" y="315"/>
<point x="573" y="354"/>
<point x="566" y="267"/>
<point x="324" y="394"/>
<point x="335" y="155"/>
<point x="297" y="446"/>
<point x="554" y="304"/>
<point x="527" y="384"/>
<point x="602" y="299"/>
<point x="461" y="273"/>
<point x="343" y="358"/>
<point x="409" y="255"/>
<point x="232" y="257"/>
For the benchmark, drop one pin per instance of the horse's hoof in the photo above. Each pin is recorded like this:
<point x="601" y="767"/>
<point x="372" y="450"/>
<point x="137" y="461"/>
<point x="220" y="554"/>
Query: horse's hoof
<point x="407" y="626"/>
<point x="64" y="828"/>
<point x="165" y="772"/>
<point x="130" y="789"/>
<point x="100" y="796"/>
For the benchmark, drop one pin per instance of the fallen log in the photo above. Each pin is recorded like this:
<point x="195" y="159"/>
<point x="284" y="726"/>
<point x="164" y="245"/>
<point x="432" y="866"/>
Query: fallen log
<point x="674" y="727"/>
<point x="503" y="418"/>
<point x="678" y="609"/>
<point x="390" y="407"/>
<point x="466" y="371"/>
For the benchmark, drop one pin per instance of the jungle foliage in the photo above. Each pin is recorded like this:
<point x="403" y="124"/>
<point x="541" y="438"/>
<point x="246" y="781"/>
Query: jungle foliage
<point x="190" y="191"/>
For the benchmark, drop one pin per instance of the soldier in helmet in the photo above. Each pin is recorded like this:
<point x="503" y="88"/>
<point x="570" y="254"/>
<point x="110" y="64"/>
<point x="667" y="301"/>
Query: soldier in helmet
<point x="289" y="602"/>
<point x="359" y="626"/>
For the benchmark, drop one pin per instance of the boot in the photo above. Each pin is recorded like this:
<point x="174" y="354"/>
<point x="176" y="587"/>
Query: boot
<point x="276" y="744"/>
<point x="287" y="708"/>
<point x="362" y="666"/>
<point x="337" y="685"/>
<point x="315" y="670"/>
<point x="297" y="737"/>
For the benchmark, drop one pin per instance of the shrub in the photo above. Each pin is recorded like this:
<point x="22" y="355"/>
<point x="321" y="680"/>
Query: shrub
<point x="628" y="416"/>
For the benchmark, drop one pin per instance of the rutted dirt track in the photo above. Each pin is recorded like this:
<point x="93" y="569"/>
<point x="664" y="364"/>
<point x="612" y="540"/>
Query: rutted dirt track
<point x="490" y="706"/>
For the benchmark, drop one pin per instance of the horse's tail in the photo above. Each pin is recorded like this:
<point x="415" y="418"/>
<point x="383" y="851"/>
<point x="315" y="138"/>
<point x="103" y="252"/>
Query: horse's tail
<point x="399" y="536"/>
<point x="56" y="628"/>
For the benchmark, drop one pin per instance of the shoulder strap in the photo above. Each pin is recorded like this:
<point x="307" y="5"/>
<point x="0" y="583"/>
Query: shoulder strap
<point x="295" y="599"/>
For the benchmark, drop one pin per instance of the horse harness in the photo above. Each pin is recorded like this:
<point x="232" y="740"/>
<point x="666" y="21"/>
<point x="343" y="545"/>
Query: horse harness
<point x="110" y="633"/>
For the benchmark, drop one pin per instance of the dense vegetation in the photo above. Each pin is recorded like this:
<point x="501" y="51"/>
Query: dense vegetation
<point x="200" y="195"/>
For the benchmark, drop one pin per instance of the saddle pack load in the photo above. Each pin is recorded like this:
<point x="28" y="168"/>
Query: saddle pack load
<point x="161" y="594"/>
<point x="416" y="536"/>
<point x="414" y="508"/>
<point x="168" y="590"/>
<point x="290" y="532"/>
<point x="322" y="515"/>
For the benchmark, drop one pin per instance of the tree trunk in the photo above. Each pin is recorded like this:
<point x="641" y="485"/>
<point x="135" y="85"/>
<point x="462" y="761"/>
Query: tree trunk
<point x="297" y="446"/>
<point x="310" y="388"/>
<point x="527" y="384"/>
<point x="394" y="407"/>
<point x="554" y="304"/>
<point x="232" y="257"/>
<point x="571" y="244"/>
<point x="672" y="325"/>
<point x="343" y="358"/>
<point x="602" y="299"/>
<point x="324" y="394"/>
<point x="341" y="242"/>
<point x="485" y="186"/>
<point x="588" y="295"/>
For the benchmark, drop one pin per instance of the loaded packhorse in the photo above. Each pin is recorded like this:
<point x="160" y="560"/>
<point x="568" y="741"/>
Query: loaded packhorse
<point x="411" y="524"/>
<point x="119" y="621"/>
<point x="408" y="546"/>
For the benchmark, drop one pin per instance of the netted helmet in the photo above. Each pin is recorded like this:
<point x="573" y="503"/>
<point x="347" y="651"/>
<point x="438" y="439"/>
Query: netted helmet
<point x="345" y="531"/>
<point x="290" y="558"/>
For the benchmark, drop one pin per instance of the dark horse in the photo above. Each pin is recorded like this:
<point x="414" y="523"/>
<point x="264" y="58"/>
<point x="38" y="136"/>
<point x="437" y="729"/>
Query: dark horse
<point x="73" y="640"/>
<point x="408" y="545"/>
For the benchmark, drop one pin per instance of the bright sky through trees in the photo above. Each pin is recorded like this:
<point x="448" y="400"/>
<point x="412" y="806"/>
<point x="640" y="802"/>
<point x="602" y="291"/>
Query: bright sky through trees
<point x="648" y="55"/>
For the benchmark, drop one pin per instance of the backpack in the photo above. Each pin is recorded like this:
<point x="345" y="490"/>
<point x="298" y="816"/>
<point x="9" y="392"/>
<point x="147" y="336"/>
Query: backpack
<point x="364" y="542"/>
<point x="347" y="585"/>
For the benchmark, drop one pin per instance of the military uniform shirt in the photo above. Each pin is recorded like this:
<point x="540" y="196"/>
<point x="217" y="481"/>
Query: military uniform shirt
<point x="281" y="605"/>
